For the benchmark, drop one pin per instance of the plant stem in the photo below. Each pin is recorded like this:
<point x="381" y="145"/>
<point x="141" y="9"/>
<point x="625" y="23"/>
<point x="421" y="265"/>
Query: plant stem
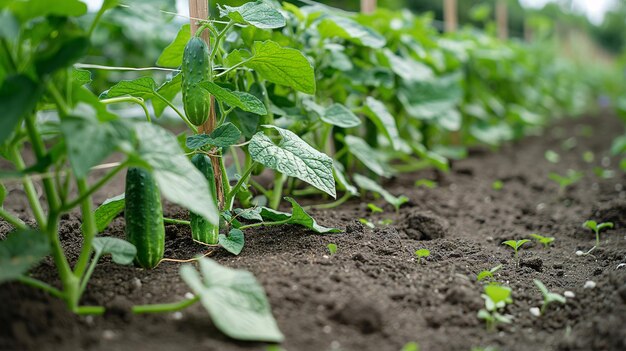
<point x="165" y="307"/>
<point x="12" y="220"/>
<point x="231" y="68"/>
<point x="334" y="204"/>
<point x="130" y="99"/>
<point x="228" y="203"/>
<point x="184" y="118"/>
<point x="277" y="191"/>
<point x="36" y="283"/>
<point x="176" y="221"/>
<point x="87" y="275"/>
<point x="597" y="238"/>
<point x="29" y="189"/>
<point x="89" y="310"/>
<point x="264" y="224"/>
<point x="88" y="227"/>
<point x="94" y="188"/>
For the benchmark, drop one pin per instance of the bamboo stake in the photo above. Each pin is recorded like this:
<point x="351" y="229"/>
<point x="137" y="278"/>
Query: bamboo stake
<point x="368" y="6"/>
<point x="200" y="9"/>
<point x="450" y="16"/>
<point x="502" y="19"/>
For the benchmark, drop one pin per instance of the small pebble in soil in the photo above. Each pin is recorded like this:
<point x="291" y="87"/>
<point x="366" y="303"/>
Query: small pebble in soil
<point x="189" y="296"/>
<point x="569" y="294"/>
<point x="589" y="284"/>
<point x="89" y="320"/>
<point x="541" y="206"/>
<point x="136" y="283"/>
<point x="177" y="315"/>
<point x="606" y="161"/>
<point x="535" y="311"/>
<point x="327" y="329"/>
<point x="108" y="334"/>
<point x="621" y="265"/>
<point x="335" y="345"/>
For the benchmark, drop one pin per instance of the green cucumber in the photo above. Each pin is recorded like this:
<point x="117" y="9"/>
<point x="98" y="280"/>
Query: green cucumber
<point x="196" y="69"/>
<point x="201" y="230"/>
<point x="144" y="217"/>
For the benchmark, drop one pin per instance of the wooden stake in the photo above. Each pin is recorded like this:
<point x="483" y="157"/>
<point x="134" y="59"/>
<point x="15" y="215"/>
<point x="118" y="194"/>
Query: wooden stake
<point x="502" y="19"/>
<point x="368" y="6"/>
<point x="450" y="16"/>
<point x="200" y="9"/>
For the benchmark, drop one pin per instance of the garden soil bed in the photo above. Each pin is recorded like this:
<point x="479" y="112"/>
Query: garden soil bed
<point x="372" y="294"/>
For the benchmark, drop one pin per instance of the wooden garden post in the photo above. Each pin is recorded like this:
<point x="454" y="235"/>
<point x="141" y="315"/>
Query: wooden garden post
<point x="368" y="6"/>
<point x="450" y="16"/>
<point x="502" y="19"/>
<point x="199" y="9"/>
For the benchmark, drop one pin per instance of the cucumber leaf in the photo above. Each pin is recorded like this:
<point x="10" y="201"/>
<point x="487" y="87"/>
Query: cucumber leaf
<point x="370" y="185"/>
<point x="383" y="120"/>
<point x="121" y="251"/>
<point x="362" y="151"/>
<point x="223" y="136"/>
<point x="283" y="66"/>
<point x="340" y="116"/>
<point x="258" y="14"/>
<point x="232" y="243"/>
<point x="20" y="251"/>
<point x="142" y="87"/>
<point x="300" y="217"/>
<point x="177" y="178"/>
<point x="235" y="301"/>
<point x="168" y="90"/>
<point x="18" y="96"/>
<point x="172" y="55"/>
<point x="295" y="158"/>
<point x="244" y="101"/>
<point x="350" y="30"/>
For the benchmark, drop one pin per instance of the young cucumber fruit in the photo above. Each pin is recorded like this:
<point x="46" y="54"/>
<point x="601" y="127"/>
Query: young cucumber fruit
<point x="144" y="217"/>
<point x="201" y="230"/>
<point x="195" y="69"/>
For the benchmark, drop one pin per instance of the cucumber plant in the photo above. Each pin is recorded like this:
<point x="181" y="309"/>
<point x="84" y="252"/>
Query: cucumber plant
<point x="36" y="74"/>
<point x="597" y="228"/>
<point x="496" y="298"/>
<point x="515" y="245"/>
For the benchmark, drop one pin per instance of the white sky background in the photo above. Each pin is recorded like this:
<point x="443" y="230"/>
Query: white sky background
<point x="593" y="9"/>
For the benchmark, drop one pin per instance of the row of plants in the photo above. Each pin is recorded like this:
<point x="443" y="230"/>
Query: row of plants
<point x="328" y="102"/>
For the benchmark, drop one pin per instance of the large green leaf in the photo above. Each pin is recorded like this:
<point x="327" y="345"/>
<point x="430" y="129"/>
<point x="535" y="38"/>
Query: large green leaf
<point x="370" y="158"/>
<point x="235" y="301"/>
<point x="18" y="97"/>
<point x="244" y="101"/>
<point x="122" y="251"/>
<point x="295" y="158"/>
<point x="407" y="68"/>
<point x="109" y="209"/>
<point x="177" y="178"/>
<point x="223" y="136"/>
<point x="283" y="66"/>
<point x="370" y="185"/>
<point x="172" y="55"/>
<point x="335" y="26"/>
<point x="259" y="14"/>
<point x="90" y="141"/>
<point x="20" y="251"/>
<point x="142" y="87"/>
<point x="168" y="90"/>
<point x="234" y="242"/>
<point x="340" y="116"/>
<point x="383" y="120"/>
<point x="300" y="217"/>
<point x="60" y="53"/>
<point x="26" y="10"/>
<point x="428" y="99"/>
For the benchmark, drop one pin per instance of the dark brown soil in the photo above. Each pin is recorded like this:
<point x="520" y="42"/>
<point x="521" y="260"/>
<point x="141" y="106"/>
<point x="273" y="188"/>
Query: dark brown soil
<point x="372" y="294"/>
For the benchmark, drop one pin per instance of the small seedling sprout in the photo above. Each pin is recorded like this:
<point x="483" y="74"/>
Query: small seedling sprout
<point x="386" y="221"/>
<point x="488" y="274"/>
<point x="545" y="240"/>
<point x="422" y="253"/>
<point x="496" y="298"/>
<point x="548" y="297"/>
<point x="426" y="183"/>
<point x="374" y="208"/>
<point x="570" y="178"/>
<point x="588" y="156"/>
<point x="552" y="156"/>
<point x="515" y="245"/>
<point x="367" y="223"/>
<point x="411" y="346"/>
<point x="497" y="185"/>
<point x="597" y="228"/>
<point x="332" y="248"/>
